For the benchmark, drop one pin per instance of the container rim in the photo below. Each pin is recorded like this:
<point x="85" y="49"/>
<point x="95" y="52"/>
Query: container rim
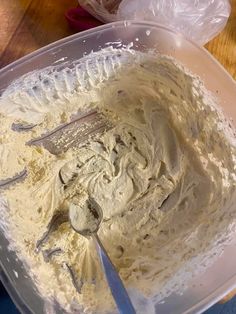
<point x="125" y="23"/>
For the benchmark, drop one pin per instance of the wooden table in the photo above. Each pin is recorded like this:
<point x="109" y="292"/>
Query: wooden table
<point x="223" y="47"/>
<point x="27" y="25"/>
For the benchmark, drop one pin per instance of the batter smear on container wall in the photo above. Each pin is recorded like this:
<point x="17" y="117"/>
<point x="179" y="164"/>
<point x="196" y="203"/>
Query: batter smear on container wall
<point x="163" y="174"/>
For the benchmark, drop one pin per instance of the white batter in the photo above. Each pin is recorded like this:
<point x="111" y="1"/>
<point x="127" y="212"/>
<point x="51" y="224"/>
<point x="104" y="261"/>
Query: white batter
<point x="163" y="175"/>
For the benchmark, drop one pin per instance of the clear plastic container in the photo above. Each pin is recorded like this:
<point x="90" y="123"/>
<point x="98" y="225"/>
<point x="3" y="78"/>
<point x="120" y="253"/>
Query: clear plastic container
<point x="220" y="278"/>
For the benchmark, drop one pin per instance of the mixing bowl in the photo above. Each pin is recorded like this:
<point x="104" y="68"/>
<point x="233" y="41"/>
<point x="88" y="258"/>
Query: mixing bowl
<point x="217" y="280"/>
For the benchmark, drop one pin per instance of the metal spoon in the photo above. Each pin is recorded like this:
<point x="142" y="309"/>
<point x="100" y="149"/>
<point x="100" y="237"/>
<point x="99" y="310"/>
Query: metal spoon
<point x="85" y="218"/>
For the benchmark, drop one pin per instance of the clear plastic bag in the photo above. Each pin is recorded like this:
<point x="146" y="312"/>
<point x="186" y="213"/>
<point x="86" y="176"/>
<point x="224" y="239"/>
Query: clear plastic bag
<point x="198" y="20"/>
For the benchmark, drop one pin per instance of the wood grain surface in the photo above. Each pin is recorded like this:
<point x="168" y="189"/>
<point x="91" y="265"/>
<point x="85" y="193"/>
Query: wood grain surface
<point x="223" y="47"/>
<point x="27" y="25"/>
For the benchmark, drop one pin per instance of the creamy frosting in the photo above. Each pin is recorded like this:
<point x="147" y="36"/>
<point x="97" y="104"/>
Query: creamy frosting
<point x="163" y="174"/>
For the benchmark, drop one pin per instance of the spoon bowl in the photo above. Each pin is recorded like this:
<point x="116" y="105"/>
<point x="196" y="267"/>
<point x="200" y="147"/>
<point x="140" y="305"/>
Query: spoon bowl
<point x="85" y="216"/>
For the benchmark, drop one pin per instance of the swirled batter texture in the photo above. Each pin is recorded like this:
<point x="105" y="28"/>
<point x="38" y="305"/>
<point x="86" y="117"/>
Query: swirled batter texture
<point x="163" y="174"/>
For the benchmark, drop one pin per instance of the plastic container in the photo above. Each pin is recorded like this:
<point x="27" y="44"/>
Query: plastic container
<point x="220" y="278"/>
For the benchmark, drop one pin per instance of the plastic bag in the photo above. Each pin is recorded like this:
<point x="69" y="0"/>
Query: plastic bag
<point x="198" y="20"/>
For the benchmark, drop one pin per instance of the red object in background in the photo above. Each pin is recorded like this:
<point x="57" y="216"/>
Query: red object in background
<point x="80" y="20"/>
